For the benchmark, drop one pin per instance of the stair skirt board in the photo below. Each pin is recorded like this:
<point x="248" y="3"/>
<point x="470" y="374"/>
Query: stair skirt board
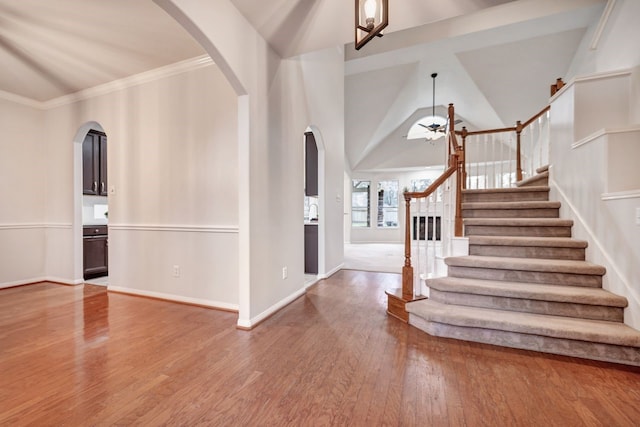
<point x="562" y="346"/>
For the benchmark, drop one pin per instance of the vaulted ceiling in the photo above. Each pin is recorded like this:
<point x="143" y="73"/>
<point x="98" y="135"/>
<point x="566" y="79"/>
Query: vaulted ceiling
<point x="495" y="59"/>
<point x="495" y="65"/>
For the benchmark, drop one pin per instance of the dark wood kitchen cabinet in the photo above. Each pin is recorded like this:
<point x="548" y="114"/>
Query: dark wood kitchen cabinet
<point x="96" y="251"/>
<point x="310" y="165"/>
<point x="311" y="248"/>
<point x="94" y="164"/>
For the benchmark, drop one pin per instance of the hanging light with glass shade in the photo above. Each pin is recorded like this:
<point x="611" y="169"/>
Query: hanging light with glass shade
<point x="372" y="16"/>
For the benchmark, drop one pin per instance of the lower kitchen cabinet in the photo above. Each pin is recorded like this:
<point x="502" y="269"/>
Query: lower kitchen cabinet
<point x="311" y="249"/>
<point x="96" y="251"/>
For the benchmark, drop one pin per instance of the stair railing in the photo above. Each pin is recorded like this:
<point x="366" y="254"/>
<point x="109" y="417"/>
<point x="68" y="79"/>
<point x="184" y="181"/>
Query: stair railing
<point x="498" y="158"/>
<point x="432" y="218"/>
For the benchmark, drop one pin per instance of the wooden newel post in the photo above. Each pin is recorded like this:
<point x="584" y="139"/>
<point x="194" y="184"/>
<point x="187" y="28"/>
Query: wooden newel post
<point x="518" y="152"/>
<point x="407" y="269"/>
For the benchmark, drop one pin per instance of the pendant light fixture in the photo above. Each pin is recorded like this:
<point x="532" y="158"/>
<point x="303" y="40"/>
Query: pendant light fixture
<point x="437" y="127"/>
<point x="372" y="16"/>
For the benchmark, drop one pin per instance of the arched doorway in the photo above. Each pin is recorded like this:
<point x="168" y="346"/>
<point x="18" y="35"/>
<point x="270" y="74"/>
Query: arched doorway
<point x="314" y="206"/>
<point x="90" y="200"/>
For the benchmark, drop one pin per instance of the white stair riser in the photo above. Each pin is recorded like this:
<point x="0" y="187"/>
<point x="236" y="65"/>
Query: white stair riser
<point x="541" y="181"/>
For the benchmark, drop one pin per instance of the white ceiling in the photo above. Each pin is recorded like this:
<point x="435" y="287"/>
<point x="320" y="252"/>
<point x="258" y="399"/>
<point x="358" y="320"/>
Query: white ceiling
<point x="495" y="58"/>
<point x="293" y="27"/>
<point x="50" y="48"/>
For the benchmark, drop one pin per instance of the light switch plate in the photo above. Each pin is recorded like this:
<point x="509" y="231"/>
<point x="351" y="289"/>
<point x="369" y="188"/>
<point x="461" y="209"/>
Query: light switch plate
<point x="637" y="216"/>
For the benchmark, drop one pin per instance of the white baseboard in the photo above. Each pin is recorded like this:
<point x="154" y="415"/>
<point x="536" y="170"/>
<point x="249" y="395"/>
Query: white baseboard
<point x="250" y="323"/>
<point x="330" y="272"/>
<point x="175" y="298"/>
<point x="35" y="280"/>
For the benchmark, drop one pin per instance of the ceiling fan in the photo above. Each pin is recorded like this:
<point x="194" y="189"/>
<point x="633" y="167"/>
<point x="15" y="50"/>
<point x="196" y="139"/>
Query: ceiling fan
<point x="436" y="127"/>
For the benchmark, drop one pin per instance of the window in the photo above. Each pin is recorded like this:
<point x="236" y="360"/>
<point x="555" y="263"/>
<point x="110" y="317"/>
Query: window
<point x="388" y="204"/>
<point x="418" y="185"/>
<point x="360" y="214"/>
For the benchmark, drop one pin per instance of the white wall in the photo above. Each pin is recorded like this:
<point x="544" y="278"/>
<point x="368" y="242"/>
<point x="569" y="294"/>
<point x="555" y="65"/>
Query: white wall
<point x="173" y="186"/>
<point x="594" y="174"/>
<point x="273" y="114"/>
<point x="22" y="193"/>
<point x="603" y="199"/>
<point x="615" y="48"/>
<point x="323" y="78"/>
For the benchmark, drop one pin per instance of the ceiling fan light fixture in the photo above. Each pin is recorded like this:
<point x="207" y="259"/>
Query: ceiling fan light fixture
<point x="433" y="135"/>
<point x="372" y="16"/>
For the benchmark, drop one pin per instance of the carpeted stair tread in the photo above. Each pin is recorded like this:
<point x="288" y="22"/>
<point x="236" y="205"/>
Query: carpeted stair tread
<point x="534" y="291"/>
<point x="519" y="222"/>
<point x="596" y="331"/>
<point x="557" y="242"/>
<point x="527" y="264"/>
<point x="507" y="190"/>
<point x="511" y="205"/>
<point x="539" y="177"/>
<point x="542" y="169"/>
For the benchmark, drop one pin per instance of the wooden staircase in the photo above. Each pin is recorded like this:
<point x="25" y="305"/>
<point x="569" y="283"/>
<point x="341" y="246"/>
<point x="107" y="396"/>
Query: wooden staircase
<point x="525" y="283"/>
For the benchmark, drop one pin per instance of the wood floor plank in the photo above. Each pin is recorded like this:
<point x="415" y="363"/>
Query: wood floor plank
<point x="83" y="356"/>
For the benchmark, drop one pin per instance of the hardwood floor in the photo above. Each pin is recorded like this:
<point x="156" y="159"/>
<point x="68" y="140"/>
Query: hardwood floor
<point x="82" y="356"/>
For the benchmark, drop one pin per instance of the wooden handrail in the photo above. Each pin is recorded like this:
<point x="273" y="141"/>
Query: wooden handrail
<point x="437" y="183"/>
<point x="518" y="128"/>
<point x="482" y="132"/>
<point x="534" y="118"/>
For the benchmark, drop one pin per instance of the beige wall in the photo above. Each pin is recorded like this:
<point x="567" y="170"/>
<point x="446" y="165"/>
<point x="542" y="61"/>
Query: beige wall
<point x="22" y="193"/>
<point x="278" y="100"/>
<point x="173" y="160"/>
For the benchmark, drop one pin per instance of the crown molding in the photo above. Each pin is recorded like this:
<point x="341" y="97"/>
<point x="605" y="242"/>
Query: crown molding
<point x="8" y="96"/>
<point x="120" y="84"/>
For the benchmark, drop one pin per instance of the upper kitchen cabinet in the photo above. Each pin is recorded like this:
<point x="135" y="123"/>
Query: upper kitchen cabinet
<point x="94" y="164"/>
<point x="311" y="165"/>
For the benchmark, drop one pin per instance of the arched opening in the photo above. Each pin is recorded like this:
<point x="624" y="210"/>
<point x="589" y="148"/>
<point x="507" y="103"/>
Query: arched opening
<point x="314" y="206"/>
<point x="90" y="200"/>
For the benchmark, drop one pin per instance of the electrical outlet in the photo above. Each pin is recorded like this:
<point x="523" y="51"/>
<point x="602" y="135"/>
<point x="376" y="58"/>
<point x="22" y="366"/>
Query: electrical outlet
<point x="176" y="271"/>
<point x="285" y="273"/>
